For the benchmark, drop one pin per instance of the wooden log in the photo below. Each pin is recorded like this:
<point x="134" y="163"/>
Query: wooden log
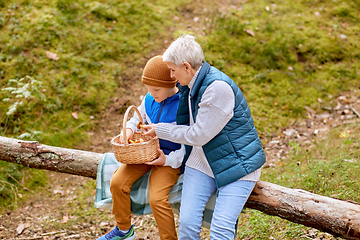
<point x="337" y="217"/>
<point x="36" y="155"/>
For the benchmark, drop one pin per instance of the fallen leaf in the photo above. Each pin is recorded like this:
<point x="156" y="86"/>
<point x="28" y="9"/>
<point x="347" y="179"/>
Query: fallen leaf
<point x="52" y="56"/>
<point x="61" y="192"/>
<point x="102" y="224"/>
<point x="344" y="134"/>
<point x="309" y="115"/>
<point x="248" y="31"/>
<point x="65" y="219"/>
<point x="289" y="132"/>
<point x="323" y="116"/>
<point x="20" y="228"/>
<point x="74" y="114"/>
<point x="347" y="111"/>
<point x="312" y="111"/>
<point x="338" y="106"/>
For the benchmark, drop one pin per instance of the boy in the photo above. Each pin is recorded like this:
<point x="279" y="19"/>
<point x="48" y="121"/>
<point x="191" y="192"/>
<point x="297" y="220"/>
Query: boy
<point x="159" y="105"/>
<point x="223" y="150"/>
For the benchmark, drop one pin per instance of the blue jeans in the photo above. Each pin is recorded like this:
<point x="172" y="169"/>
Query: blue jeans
<point x="197" y="190"/>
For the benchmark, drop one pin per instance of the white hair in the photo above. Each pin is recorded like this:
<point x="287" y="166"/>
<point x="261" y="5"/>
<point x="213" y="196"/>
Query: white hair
<point x="185" y="49"/>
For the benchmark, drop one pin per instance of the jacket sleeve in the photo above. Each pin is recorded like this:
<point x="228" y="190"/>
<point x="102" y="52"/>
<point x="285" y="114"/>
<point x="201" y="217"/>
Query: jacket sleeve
<point x="174" y="159"/>
<point x="215" y="110"/>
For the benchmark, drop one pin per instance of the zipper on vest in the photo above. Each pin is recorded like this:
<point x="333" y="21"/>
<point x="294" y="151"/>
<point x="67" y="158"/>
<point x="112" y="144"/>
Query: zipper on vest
<point x="162" y="106"/>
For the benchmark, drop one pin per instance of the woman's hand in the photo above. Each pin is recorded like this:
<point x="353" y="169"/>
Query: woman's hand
<point x="129" y="135"/>
<point x="149" y="130"/>
<point x="158" y="161"/>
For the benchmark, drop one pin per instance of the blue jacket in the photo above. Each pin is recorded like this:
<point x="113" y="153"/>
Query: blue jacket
<point x="237" y="150"/>
<point x="164" y="112"/>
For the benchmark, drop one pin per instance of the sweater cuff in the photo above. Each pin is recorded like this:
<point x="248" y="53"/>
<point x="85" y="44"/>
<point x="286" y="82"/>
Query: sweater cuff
<point x="162" y="130"/>
<point x="132" y="126"/>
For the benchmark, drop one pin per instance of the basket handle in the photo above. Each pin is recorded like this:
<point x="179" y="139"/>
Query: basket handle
<point x="125" y="120"/>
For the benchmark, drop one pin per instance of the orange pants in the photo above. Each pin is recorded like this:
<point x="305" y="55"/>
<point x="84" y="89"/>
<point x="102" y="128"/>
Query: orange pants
<point x="160" y="183"/>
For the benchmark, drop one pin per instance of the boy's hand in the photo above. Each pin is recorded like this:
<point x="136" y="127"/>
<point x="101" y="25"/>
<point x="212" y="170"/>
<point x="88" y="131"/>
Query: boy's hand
<point x="158" y="161"/>
<point x="149" y="130"/>
<point x="129" y="135"/>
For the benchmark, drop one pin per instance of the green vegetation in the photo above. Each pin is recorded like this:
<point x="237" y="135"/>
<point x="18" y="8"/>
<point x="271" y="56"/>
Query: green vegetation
<point x="95" y="44"/>
<point x="329" y="168"/>
<point x="285" y="55"/>
<point x="59" y="57"/>
<point x="16" y="182"/>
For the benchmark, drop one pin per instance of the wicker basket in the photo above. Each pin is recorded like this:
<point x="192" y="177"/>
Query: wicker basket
<point x="137" y="153"/>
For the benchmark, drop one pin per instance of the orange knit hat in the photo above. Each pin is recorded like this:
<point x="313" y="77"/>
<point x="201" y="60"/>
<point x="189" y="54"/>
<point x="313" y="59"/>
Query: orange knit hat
<point x="156" y="73"/>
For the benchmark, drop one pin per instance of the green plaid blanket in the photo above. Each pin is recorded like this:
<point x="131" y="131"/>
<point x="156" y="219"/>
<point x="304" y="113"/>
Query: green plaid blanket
<point x="139" y="194"/>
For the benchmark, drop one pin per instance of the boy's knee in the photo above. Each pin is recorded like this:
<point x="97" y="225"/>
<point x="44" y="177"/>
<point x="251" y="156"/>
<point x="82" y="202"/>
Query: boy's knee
<point x="155" y="201"/>
<point x="119" y="186"/>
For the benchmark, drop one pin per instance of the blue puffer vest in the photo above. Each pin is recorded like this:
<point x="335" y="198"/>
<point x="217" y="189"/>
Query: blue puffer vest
<point x="237" y="150"/>
<point x="164" y="112"/>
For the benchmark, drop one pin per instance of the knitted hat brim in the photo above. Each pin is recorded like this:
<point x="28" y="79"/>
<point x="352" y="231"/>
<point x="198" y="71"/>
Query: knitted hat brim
<point x="157" y="82"/>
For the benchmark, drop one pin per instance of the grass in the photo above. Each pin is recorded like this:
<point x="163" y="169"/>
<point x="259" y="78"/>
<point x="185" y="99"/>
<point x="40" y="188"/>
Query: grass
<point x="284" y="55"/>
<point x="298" y="52"/>
<point x="100" y="47"/>
<point x="17" y="182"/>
<point x="328" y="168"/>
<point x="96" y="43"/>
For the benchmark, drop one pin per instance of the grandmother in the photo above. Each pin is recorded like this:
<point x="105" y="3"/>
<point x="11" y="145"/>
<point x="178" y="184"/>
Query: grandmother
<point x="223" y="150"/>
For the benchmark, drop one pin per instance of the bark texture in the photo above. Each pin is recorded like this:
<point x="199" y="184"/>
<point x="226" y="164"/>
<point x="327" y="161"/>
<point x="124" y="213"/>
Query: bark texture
<point x="337" y="217"/>
<point x="36" y="155"/>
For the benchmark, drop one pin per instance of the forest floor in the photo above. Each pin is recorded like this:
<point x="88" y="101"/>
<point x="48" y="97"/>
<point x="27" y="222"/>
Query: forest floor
<point x="43" y="215"/>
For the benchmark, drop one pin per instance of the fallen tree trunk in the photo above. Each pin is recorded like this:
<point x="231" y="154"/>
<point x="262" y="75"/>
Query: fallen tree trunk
<point x="36" y="155"/>
<point x="337" y="217"/>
